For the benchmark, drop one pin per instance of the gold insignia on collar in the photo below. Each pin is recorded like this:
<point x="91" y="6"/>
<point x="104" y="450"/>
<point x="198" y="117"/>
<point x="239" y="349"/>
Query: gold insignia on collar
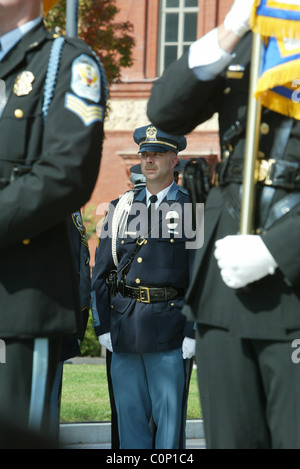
<point x="23" y="83"/>
<point x="151" y="133"/>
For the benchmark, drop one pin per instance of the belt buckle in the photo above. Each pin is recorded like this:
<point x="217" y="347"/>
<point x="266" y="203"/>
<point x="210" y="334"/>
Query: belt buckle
<point x="264" y="171"/>
<point x="144" y="295"/>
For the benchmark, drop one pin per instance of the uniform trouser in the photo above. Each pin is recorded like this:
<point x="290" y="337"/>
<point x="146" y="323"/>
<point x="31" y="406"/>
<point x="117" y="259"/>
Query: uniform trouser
<point x="249" y="391"/>
<point x="55" y="400"/>
<point x="145" y="385"/>
<point x="26" y="380"/>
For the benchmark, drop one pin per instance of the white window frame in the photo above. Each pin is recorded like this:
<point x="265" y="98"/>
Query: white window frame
<point x="181" y="10"/>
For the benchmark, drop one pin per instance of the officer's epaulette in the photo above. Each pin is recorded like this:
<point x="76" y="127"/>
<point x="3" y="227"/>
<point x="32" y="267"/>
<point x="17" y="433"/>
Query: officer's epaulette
<point x="184" y="191"/>
<point x="175" y="192"/>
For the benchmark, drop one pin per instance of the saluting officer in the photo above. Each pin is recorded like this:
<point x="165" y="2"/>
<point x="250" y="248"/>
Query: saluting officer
<point x="245" y="293"/>
<point x="51" y="132"/>
<point x="142" y="325"/>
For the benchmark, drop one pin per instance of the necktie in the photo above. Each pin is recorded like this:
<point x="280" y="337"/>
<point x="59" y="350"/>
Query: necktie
<point x="152" y="200"/>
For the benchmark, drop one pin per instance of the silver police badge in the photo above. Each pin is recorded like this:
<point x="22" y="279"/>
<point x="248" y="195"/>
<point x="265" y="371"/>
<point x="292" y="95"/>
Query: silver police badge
<point x="172" y="218"/>
<point x="23" y="83"/>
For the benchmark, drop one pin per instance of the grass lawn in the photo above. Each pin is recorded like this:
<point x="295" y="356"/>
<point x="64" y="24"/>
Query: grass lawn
<point x="85" y="395"/>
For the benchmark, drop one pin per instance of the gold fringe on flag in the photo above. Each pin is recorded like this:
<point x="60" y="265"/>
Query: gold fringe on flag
<point x="277" y="103"/>
<point x="268" y="26"/>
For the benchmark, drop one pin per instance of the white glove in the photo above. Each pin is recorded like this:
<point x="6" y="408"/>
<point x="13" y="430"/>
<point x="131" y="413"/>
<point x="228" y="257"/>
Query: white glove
<point x="188" y="347"/>
<point x="243" y="259"/>
<point x="237" y="19"/>
<point x="105" y="340"/>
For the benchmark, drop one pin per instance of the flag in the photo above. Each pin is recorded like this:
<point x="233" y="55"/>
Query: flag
<point x="278" y="86"/>
<point x="278" y="18"/>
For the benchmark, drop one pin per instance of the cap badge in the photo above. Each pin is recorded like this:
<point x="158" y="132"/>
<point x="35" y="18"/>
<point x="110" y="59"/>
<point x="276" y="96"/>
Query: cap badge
<point x="151" y="133"/>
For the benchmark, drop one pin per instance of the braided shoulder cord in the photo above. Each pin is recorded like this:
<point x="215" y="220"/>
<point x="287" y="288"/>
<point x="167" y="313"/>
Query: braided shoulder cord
<point x="52" y="71"/>
<point x="119" y="220"/>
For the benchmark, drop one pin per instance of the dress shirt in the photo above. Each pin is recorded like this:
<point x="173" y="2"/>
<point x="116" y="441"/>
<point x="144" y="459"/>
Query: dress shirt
<point x="10" y="39"/>
<point x="160" y="196"/>
<point x="207" y="58"/>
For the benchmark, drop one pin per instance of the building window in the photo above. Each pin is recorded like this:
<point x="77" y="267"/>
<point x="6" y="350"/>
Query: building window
<point x="178" y="29"/>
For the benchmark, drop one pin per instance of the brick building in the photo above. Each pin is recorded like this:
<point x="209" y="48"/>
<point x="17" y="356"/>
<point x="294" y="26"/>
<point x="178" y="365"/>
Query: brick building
<point x="163" y="30"/>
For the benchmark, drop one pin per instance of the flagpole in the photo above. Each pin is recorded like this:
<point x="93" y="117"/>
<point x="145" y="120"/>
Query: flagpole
<point x="252" y="141"/>
<point x="72" y="18"/>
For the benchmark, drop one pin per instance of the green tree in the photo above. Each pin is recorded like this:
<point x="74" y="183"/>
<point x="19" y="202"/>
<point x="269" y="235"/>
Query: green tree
<point x="112" y="41"/>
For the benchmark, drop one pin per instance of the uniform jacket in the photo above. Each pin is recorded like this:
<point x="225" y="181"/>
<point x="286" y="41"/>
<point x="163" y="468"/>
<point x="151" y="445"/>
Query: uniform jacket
<point x="80" y="248"/>
<point x="270" y="307"/>
<point x="38" y="284"/>
<point x="163" y="261"/>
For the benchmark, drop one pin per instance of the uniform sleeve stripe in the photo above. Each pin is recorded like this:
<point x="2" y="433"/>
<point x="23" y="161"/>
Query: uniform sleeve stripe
<point x="88" y="113"/>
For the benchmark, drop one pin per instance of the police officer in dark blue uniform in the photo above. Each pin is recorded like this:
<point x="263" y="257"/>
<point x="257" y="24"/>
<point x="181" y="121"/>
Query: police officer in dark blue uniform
<point x="142" y="324"/>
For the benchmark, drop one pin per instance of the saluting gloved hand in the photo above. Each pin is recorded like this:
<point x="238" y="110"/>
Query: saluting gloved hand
<point x="243" y="259"/>
<point x="105" y="340"/>
<point x="237" y="19"/>
<point x="188" y="347"/>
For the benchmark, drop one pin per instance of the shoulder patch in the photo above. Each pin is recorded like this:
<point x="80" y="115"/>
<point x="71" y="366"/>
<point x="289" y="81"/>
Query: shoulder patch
<point x="85" y="79"/>
<point x="77" y="220"/>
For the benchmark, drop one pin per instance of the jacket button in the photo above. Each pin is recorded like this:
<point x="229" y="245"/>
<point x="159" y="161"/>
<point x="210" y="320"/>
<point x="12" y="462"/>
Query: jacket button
<point x="264" y="128"/>
<point x="139" y="260"/>
<point x="171" y="240"/>
<point x="137" y="280"/>
<point x="18" y="113"/>
<point x="225" y="154"/>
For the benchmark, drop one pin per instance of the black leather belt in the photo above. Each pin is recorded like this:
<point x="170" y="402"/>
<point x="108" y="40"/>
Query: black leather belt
<point x="151" y="294"/>
<point x="280" y="173"/>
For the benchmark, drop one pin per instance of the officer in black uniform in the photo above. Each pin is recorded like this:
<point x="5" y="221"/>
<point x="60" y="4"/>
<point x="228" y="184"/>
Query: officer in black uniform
<point x="142" y="324"/>
<point x="245" y="292"/>
<point x="51" y="132"/>
<point x="71" y="345"/>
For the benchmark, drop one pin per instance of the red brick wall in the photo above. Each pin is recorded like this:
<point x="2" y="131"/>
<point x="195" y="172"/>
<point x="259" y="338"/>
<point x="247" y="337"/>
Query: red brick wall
<point x="136" y="83"/>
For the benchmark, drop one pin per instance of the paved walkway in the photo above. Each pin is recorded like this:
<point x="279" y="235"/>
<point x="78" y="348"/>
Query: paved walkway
<point x="97" y="435"/>
<point x="190" y="444"/>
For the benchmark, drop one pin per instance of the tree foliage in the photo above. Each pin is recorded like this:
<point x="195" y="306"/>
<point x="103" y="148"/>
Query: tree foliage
<point x="112" y="41"/>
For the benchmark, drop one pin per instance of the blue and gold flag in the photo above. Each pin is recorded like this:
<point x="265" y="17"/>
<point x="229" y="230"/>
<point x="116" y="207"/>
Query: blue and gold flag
<point x="278" y="18"/>
<point x="278" y="21"/>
